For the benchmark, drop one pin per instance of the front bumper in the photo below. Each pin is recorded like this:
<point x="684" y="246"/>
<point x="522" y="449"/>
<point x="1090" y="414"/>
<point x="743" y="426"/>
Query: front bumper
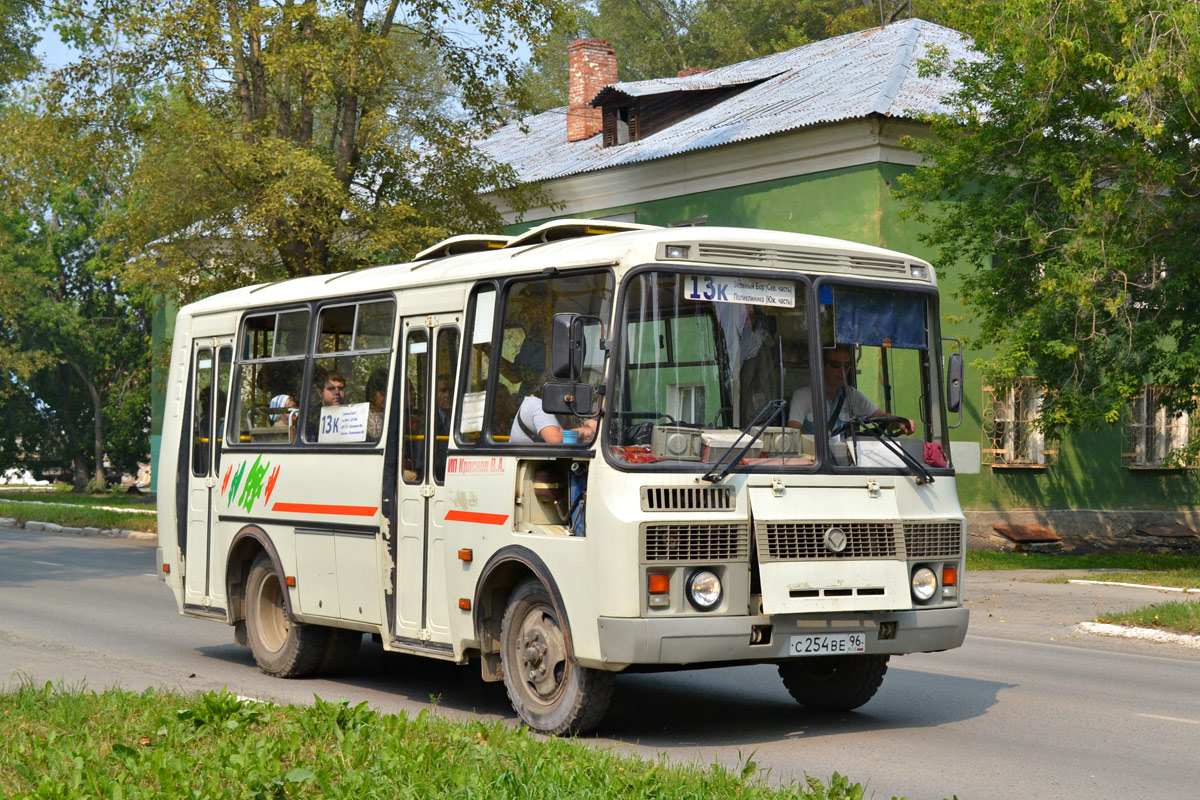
<point x="699" y="640"/>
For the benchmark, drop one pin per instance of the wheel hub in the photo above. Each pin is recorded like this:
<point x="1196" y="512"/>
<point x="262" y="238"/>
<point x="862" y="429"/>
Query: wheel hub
<point x="542" y="654"/>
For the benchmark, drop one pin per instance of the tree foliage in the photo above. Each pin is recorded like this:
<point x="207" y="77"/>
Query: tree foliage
<point x="270" y="140"/>
<point x="74" y="345"/>
<point x="1068" y="174"/>
<point x="18" y="35"/>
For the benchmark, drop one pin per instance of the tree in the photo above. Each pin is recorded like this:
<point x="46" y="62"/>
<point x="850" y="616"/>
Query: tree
<point x="17" y="39"/>
<point x="1068" y="176"/>
<point x="74" y="345"/>
<point x="264" y="141"/>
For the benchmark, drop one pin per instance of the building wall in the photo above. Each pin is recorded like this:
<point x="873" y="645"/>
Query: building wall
<point x="856" y="203"/>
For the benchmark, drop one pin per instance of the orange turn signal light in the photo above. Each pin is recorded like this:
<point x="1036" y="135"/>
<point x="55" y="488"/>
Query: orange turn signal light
<point x="167" y="568"/>
<point x="464" y="554"/>
<point x="290" y="580"/>
<point x="658" y="582"/>
<point x="464" y="603"/>
<point x="949" y="576"/>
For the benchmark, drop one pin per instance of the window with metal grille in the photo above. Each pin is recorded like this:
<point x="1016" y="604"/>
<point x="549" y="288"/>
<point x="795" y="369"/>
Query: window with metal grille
<point x="1011" y="434"/>
<point x="1157" y="436"/>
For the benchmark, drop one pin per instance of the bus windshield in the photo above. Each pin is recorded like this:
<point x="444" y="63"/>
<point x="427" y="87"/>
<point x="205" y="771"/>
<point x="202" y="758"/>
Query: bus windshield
<point x="844" y="381"/>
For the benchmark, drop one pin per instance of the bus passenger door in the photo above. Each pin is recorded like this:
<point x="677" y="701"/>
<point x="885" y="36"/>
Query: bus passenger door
<point x="430" y="353"/>
<point x="209" y="381"/>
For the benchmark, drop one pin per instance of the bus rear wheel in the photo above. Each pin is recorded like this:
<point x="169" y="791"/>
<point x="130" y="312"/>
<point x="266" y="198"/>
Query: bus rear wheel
<point x="833" y="683"/>
<point x="548" y="690"/>
<point x="281" y="647"/>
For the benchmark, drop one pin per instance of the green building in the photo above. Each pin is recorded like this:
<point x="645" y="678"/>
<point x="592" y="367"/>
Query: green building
<point x="809" y="140"/>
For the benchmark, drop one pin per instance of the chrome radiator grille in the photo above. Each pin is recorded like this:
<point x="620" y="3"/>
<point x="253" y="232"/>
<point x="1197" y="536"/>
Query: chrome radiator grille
<point x="799" y="541"/>
<point x="933" y="538"/>
<point x="701" y="542"/>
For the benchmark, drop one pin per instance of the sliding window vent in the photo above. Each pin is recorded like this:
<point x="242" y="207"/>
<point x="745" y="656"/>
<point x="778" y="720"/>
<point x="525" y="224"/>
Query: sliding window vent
<point x="874" y="264"/>
<point x="748" y="255"/>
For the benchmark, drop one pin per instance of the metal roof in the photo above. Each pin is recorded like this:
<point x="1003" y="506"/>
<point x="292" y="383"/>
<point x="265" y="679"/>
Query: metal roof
<point x="847" y="77"/>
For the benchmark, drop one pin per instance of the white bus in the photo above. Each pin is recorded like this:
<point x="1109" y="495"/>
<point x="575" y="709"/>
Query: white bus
<point x="348" y="460"/>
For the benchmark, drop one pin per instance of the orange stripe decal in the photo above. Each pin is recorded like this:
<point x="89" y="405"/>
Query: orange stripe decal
<point x="316" y="508"/>
<point x="476" y="516"/>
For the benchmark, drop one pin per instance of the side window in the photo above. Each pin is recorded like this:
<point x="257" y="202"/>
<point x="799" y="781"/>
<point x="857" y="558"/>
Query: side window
<point x="524" y="348"/>
<point x="445" y="360"/>
<point x="269" y="377"/>
<point x="350" y="373"/>
<point x="415" y="402"/>
<point x="473" y="397"/>
<point x="224" y="367"/>
<point x="202" y="419"/>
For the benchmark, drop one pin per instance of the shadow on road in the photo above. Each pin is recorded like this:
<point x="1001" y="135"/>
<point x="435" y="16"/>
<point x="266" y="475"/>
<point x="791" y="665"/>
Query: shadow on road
<point x="729" y="706"/>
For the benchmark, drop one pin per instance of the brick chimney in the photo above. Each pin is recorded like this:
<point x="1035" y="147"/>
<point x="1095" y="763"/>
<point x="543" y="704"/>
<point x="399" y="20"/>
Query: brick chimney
<point x="593" y="65"/>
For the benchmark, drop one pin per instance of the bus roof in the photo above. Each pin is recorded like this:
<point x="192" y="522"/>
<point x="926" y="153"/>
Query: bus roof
<point x="573" y="243"/>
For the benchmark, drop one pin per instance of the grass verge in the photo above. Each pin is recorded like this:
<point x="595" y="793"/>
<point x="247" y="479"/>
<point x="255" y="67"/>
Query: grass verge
<point x="988" y="560"/>
<point x="66" y="497"/>
<point x="79" y="510"/>
<point x="78" y="516"/>
<point x="1180" y="617"/>
<point x="73" y="743"/>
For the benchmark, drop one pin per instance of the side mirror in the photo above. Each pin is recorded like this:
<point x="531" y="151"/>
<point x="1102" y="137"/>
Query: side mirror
<point x="567" y="398"/>
<point x="954" y="383"/>
<point x="568" y="348"/>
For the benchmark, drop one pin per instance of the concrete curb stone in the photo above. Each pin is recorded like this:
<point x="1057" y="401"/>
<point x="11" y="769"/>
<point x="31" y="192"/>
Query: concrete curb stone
<point x="52" y="527"/>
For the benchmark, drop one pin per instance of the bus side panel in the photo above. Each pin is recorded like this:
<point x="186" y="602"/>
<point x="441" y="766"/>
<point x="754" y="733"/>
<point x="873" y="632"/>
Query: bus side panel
<point x="482" y="515"/>
<point x="322" y="511"/>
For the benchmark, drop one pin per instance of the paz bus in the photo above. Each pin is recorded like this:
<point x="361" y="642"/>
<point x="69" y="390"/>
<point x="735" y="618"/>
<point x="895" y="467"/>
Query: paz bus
<point x="351" y="457"/>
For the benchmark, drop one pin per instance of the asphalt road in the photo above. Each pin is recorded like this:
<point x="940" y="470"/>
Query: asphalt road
<point x="1025" y="709"/>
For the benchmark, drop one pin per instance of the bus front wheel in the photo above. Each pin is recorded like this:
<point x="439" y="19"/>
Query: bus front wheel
<point x="549" y="691"/>
<point x="281" y="647"/>
<point x="833" y="683"/>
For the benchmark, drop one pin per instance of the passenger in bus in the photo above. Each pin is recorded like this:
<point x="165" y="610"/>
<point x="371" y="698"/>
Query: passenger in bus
<point x="842" y="401"/>
<point x="377" y="398"/>
<point x="284" y="410"/>
<point x="328" y="391"/>
<point x="441" y="426"/>
<point x="333" y="390"/>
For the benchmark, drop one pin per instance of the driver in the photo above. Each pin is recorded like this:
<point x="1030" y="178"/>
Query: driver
<point x="842" y="401"/>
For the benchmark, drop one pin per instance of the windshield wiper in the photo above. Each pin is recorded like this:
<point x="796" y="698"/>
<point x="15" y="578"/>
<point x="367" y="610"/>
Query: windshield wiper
<point x="765" y="416"/>
<point x="877" y="427"/>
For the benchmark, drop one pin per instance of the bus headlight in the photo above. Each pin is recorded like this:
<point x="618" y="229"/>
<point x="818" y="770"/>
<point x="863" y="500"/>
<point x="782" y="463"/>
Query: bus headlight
<point x="704" y="590"/>
<point x="924" y="584"/>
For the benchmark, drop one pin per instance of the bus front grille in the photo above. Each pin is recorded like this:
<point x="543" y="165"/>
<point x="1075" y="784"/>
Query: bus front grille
<point x="933" y="538"/>
<point x="801" y="541"/>
<point x="699" y="542"/>
<point x="688" y="498"/>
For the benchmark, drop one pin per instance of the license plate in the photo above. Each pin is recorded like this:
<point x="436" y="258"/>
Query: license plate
<point x="828" y="644"/>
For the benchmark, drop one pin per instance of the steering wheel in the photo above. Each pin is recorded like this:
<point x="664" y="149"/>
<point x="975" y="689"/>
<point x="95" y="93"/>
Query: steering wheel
<point x="883" y="422"/>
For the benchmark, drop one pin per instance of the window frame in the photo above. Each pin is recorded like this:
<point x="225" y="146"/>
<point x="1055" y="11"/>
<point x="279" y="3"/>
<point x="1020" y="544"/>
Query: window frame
<point x="1005" y="394"/>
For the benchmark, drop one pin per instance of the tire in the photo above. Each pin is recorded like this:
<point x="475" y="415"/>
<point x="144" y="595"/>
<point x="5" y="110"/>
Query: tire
<point x="341" y="651"/>
<point x="281" y="647"/>
<point x="833" y="683"/>
<point x="548" y="690"/>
